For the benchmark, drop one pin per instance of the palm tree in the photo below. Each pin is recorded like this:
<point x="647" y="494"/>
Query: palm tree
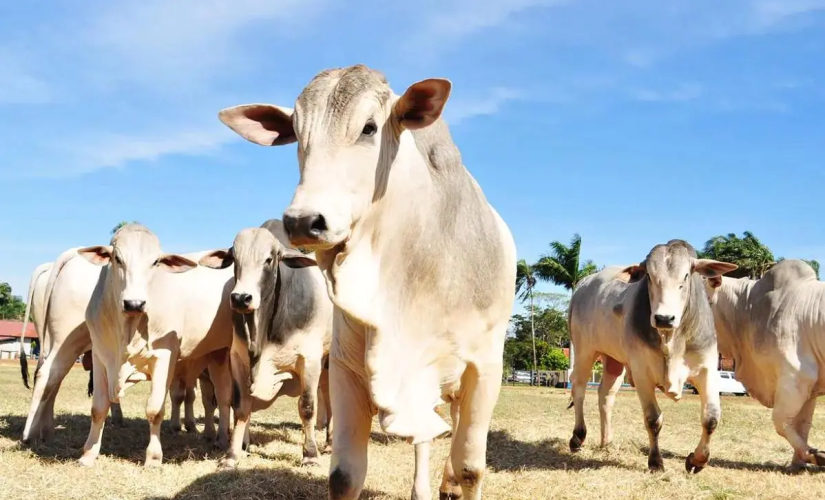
<point x="123" y="223"/>
<point x="562" y="267"/>
<point x="525" y="282"/>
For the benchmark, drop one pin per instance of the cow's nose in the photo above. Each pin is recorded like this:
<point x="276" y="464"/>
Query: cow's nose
<point x="134" y="306"/>
<point x="664" y="320"/>
<point x="240" y="300"/>
<point x="304" y="226"/>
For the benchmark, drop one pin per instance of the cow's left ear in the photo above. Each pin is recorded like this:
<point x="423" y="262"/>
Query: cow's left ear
<point x="173" y="263"/>
<point x="295" y="259"/>
<point x="712" y="268"/>
<point x="99" y="255"/>
<point x="264" y="124"/>
<point x="422" y="103"/>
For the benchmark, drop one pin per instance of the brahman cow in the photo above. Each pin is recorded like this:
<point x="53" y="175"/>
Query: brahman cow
<point x="145" y="318"/>
<point x="420" y="267"/>
<point x="283" y="330"/>
<point x="655" y="318"/>
<point x="774" y="329"/>
<point x="64" y="335"/>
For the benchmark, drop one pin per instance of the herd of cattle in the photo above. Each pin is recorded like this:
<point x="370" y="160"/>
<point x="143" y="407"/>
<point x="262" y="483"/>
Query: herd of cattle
<point x="402" y="305"/>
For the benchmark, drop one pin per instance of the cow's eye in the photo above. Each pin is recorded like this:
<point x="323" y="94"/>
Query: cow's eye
<point x="118" y="261"/>
<point x="268" y="261"/>
<point x="369" y="129"/>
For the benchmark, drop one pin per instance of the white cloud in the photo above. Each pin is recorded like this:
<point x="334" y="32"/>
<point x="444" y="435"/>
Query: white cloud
<point x="685" y="92"/>
<point x="17" y="83"/>
<point x="461" y="109"/>
<point x="769" y="13"/>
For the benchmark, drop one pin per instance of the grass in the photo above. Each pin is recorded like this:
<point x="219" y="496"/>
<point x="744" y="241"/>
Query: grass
<point x="527" y="454"/>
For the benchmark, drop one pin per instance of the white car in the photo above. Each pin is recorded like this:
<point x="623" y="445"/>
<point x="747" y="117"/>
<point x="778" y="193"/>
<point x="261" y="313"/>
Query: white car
<point x="727" y="385"/>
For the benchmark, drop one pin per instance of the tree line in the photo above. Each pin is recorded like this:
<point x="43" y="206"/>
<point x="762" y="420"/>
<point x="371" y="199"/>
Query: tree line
<point x="536" y="337"/>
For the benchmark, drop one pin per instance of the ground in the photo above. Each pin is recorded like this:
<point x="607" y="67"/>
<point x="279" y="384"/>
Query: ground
<point x="527" y="454"/>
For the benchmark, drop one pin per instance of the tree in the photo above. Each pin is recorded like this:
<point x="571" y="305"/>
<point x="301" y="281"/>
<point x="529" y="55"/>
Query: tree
<point x="123" y="223"/>
<point x="751" y="255"/>
<point x="562" y="266"/>
<point x="525" y="281"/>
<point x="11" y="306"/>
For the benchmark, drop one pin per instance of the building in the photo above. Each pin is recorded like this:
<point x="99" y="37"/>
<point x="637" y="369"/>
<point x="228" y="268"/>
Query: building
<point x="10" y="339"/>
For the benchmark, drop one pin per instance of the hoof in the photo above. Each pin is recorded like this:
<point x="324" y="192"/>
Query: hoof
<point x="228" y="463"/>
<point x="690" y="467"/>
<point x="176" y="428"/>
<point x="221" y="444"/>
<point x="86" y="461"/>
<point x="191" y="428"/>
<point x="819" y="457"/>
<point x="800" y="467"/>
<point x="655" y="465"/>
<point x="577" y="440"/>
<point x="309" y="462"/>
<point x="251" y="448"/>
<point x="453" y="494"/>
<point x="153" y="462"/>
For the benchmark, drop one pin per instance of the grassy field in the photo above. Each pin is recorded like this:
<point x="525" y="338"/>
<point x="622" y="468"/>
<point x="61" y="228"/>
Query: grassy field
<point x="527" y="454"/>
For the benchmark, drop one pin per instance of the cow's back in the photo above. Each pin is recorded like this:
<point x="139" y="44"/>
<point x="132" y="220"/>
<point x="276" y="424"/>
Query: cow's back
<point x="596" y="317"/>
<point x="74" y="283"/>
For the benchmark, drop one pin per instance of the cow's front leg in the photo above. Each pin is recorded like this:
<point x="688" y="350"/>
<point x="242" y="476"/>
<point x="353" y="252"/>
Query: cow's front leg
<point x="421" y="481"/>
<point x="646" y="391"/>
<point x="162" y="369"/>
<point x="450" y="489"/>
<point x="707" y="383"/>
<point x="324" y="419"/>
<point x="210" y="402"/>
<point x="100" y="407"/>
<point x="307" y="408"/>
<point x="189" y="409"/>
<point x="177" y="392"/>
<point x="221" y="377"/>
<point x="239" y="364"/>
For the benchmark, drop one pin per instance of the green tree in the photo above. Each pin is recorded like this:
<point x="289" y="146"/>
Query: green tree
<point x="525" y="282"/>
<point x="751" y="255"/>
<point x="123" y="223"/>
<point x="11" y="306"/>
<point x="556" y="360"/>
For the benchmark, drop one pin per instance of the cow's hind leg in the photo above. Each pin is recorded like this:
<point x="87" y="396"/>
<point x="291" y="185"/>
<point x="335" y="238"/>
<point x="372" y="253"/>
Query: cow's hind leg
<point x="177" y="392"/>
<point x="582" y="369"/>
<point x="707" y="383"/>
<point x="792" y="394"/>
<point x="450" y="489"/>
<point x="100" y="407"/>
<point x="210" y="402"/>
<point x="611" y="382"/>
<point x="189" y="409"/>
<point x="803" y="424"/>
<point x="307" y="409"/>
<point x="480" y="388"/>
<point x="324" y="419"/>
<point x="222" y="379"/>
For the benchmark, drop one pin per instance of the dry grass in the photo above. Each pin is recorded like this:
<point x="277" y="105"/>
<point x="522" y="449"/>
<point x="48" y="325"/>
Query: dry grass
<point x="527" y="454"/>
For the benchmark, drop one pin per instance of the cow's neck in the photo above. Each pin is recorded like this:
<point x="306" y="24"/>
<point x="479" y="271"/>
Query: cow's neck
<point x="266" y="317"/>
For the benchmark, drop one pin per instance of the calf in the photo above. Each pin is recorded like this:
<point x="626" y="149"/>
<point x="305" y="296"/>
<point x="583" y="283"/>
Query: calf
<point x="774" y="329"/>
<point x="655" y="318"/>
<point x="143" y="318"/>
<point x="283" y="330"/>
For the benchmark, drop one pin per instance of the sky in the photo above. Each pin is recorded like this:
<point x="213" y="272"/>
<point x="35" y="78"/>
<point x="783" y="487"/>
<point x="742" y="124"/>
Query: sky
<point x="629" y="122"/>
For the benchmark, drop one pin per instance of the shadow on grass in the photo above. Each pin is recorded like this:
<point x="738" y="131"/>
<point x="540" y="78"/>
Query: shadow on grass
<point x="504" y="453"/>
<point x="723" y="463"/>
<point x="127" y="442"/>
<point x="276" y="431"/>
<point x="255" y="484"/>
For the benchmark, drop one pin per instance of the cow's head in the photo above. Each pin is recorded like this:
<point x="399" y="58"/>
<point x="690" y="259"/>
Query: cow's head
<point x="134" y="256"/>
<point x="348" y="125"/>
<point x="256" y="254"/>
<point x="668" y="269"/>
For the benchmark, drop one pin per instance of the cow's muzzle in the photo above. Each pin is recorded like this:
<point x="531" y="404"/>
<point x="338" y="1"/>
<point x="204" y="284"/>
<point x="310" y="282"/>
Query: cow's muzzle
<point x="305" y="229"/>
<point x="134" y="307"/>
<point x="241" y="302"/>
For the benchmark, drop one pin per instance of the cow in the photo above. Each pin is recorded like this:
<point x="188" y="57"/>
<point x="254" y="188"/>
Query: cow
<point x="283" y="330"/>
<point x="147" y="319"/>
<point x="419" y="266"/>
<point x="64" y="335"/>
<point x="773" y="329"/>
<point x="35" y="308"/>
<point x="655" y="318"/>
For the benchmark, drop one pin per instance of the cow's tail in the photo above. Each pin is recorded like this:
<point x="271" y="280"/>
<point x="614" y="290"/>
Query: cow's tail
<point x="570" y="405"/>
<point x="61" y="261"/>
<point x="24" y="362"/>
<point x="90" y="388"/>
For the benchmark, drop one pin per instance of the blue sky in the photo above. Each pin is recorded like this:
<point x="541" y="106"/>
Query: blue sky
<point x="629" y="122"/>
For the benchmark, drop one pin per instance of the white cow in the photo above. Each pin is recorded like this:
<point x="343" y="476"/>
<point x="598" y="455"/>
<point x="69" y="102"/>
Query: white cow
<point x="655" y="318"/>
<point x="144" y="318"/>
<point x="64" y="335"/>
<point x="420" y="268"/>
<point x="36" y="309"/>
<point x="774" y="329"/>
<point x="283" y="330"/>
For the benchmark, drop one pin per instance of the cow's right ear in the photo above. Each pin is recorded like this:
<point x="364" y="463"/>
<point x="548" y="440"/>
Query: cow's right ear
<point x="217" y="259"/>
<point x="296" y="260"/>
<point x="264" y="124"/>
<point x="632" y="274"/>
<point x="422" y="103"/>
<point x="99" y="255"/>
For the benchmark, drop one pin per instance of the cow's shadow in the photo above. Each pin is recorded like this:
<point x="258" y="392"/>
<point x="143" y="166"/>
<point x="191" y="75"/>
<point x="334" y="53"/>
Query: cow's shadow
<point x="724" y="463"/>
<point x="254" y="484"/>
<point x="126" y="442"/>
<point x="505" y="453"/>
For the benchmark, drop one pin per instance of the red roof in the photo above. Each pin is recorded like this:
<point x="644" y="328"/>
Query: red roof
<point x="13" y="329"/>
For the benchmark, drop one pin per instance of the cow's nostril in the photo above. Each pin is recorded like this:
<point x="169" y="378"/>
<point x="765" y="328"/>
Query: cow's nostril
<point x="317" y="224"/>
<point x="134" y="305"/>
<point x="664" y="320"/>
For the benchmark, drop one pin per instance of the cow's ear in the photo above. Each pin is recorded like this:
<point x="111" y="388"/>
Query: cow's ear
<point x="264" y="124"/>
<point x="295" y="259"/>
<point x="422" y="103"/>
<point x="712" y="268"/>
<point x="632" y="274"/>
<point x="217" y="259"/>
<point x="99" y="255"/>
<point x="715" y="282"/>
<point x="174" y="263"/>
